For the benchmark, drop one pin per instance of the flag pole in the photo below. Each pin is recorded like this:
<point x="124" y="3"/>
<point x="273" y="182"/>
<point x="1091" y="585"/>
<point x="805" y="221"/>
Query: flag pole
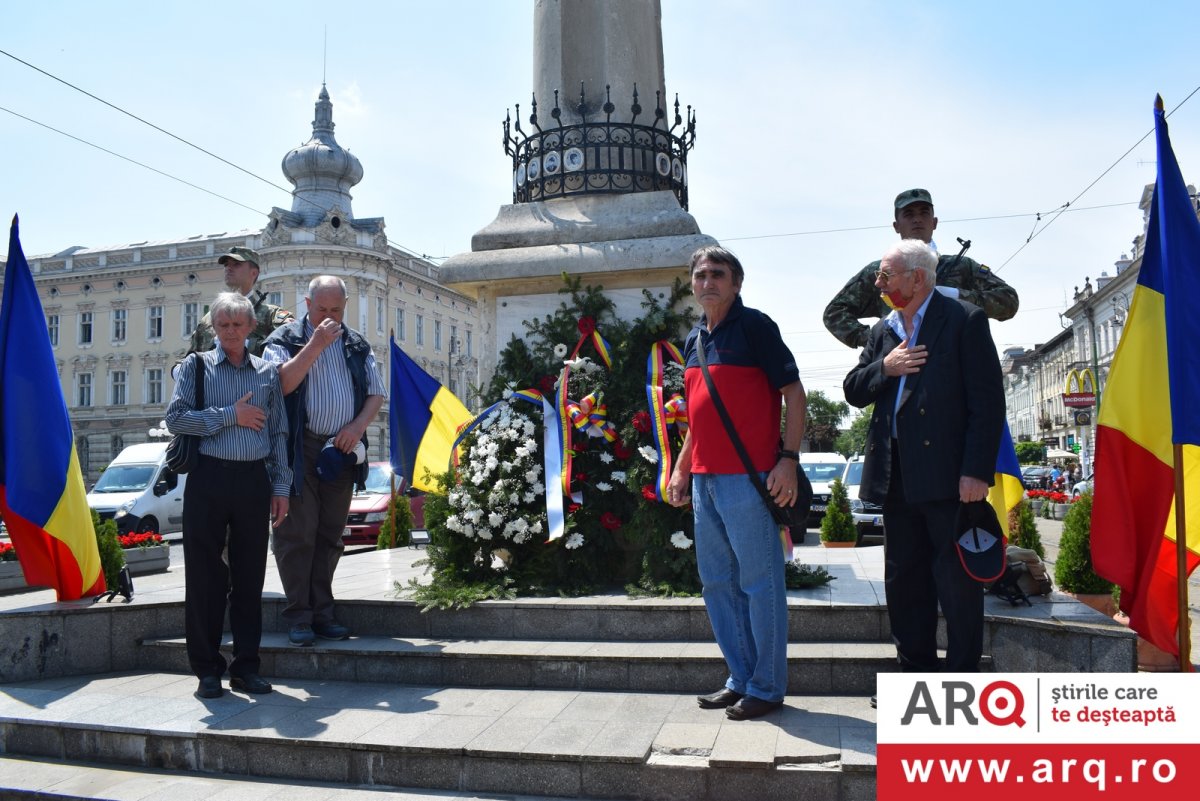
<point x="1184" y="622"/>
<point x="392" y="473"/>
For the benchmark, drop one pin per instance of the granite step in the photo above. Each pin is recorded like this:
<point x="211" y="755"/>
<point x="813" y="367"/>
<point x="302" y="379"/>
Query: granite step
<point x="635" y="666"/>
<point x="24" y="777"/>
<point x="540" y="742"/>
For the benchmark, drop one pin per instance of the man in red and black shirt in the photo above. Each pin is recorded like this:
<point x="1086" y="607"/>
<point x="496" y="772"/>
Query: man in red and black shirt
<point x="738" y="549"/>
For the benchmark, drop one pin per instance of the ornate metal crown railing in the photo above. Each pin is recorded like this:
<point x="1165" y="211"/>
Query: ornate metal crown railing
<point x="599" y="156"/>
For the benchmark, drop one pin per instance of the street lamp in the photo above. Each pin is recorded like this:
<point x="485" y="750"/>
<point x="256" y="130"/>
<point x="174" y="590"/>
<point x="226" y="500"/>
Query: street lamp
<point x="161" y="432"/>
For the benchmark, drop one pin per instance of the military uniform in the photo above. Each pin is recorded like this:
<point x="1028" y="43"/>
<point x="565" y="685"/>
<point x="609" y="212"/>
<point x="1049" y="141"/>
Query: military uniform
<point x="267" y="318"/>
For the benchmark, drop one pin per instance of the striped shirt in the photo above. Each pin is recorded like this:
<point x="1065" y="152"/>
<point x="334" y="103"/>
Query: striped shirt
<point x="216" y="424"/>
<point x="329" y="404"/>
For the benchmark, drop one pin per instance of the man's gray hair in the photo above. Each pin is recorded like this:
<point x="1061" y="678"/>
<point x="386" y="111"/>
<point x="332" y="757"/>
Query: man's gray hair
<point x="917" y="255"/>
<point x="326" y="282"/>
<point x="232" y="304"/>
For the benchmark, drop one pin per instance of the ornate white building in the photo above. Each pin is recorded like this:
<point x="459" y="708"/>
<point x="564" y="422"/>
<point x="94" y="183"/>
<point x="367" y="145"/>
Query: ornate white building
<point x="120" y="317"/>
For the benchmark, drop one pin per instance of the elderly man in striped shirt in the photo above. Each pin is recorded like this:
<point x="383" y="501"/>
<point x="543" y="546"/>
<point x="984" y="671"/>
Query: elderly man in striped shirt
<point x="241" y="481"/>
<point x="333" y="390"/>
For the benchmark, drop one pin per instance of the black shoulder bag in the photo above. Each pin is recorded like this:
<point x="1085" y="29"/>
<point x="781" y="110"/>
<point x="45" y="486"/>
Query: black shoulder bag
<point x="184" y="449"/>
<point x="796" y="515"/>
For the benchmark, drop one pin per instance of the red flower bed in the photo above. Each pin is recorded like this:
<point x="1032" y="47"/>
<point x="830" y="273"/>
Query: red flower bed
<point x="140" y="540"/>
<point x="7" y="552"/>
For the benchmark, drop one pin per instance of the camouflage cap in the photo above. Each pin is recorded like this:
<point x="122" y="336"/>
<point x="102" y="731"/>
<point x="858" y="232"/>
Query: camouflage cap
<point x="246" y="254"/>
<point x="913" y="196"/>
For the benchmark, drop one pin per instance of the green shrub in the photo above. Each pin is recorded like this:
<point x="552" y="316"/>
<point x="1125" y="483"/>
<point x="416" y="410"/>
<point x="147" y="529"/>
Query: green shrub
<point x="401" y="512"/>
<point x="112" y="558"/>
<point x="838" y="523"/>
<point x="799" y="576"/>
<point x="1023" y="528"/>
<point x="1073" y="571"/>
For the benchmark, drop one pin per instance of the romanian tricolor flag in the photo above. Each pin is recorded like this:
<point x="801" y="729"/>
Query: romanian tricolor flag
<point x="1151" y="404"/>
<point x="424" y="421"/>
<point x="42" y="497"/>
<point x="1008" y="489"/>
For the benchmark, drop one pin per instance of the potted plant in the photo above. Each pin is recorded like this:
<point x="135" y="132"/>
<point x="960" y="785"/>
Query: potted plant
<point x="837" y="527"/>
<point x="1073" y="572"/>
<point x="401" y="512"/>
<point x="145" y="552"/>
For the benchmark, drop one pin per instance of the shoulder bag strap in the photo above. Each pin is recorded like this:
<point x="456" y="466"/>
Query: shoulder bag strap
<point x="199" y="371"/>
<point x="755" y="478"/>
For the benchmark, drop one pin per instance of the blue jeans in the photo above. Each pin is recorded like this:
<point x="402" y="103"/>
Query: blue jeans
<point x="740" y="558"/>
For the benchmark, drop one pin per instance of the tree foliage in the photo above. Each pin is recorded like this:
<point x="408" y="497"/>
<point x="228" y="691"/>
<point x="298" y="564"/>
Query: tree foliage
<point x="112" y="558"/>
<point x="1023" y="526"/>
<point x="1030" y="452"/>
<point x="402" y="513"/>
<point x="854" y="439"/>
<point x="822" y="421"/>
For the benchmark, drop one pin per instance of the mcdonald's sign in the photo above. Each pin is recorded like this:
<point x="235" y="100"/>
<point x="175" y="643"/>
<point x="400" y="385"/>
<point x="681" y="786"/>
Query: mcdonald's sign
<point x="1080" y="391"/>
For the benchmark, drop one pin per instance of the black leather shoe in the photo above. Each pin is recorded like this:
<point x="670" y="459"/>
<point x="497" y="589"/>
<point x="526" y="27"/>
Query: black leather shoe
<point x="751" y="707"/>
<point x="250" y="683"/>
<point x="210" y="687"/>
<point x="722" y="698"/>
<point x="873" y="702"/>
<point x="330" y="631"/>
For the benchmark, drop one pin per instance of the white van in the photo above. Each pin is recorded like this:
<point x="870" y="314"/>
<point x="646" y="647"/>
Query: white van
<point x="139" y="492"/>
<point x="821" y="469"/>
<point x="868" y="517"/>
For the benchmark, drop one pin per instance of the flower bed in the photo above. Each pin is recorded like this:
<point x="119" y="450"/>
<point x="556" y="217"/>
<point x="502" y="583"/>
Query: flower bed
<point x="143" y="540"/>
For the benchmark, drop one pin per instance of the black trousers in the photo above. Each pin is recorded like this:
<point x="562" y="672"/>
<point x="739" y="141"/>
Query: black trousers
<point x="921" y="571"/>
<point x="220" y="497"/>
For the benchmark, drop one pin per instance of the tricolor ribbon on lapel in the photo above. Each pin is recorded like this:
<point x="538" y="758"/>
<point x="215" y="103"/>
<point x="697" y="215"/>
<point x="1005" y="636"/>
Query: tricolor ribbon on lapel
<point x="552" y="454"/>
<point x="656" y="364"/>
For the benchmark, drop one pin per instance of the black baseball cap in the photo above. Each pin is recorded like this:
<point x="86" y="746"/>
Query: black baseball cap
<point x="981" y="544"/>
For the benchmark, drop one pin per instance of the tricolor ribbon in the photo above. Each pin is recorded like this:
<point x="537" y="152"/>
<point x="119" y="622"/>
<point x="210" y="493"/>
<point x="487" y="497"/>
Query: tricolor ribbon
<point x="552" y="454"/>
<point x="590" y="417"/>
<point x="656" y="364"/>
<point x="563" y="421"/>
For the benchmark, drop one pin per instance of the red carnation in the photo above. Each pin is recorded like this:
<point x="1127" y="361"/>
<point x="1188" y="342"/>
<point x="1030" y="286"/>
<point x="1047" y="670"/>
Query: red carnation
<point x="587" y="326"/>
<point x="581" y="477"/>
<point x="648" y="493"/>
<point x="572" y="508"/>
<point x="610" y="521"/>
<point x="621" y="452"/>
<point x="641" y="422"/>
<point x="546" y="384"/>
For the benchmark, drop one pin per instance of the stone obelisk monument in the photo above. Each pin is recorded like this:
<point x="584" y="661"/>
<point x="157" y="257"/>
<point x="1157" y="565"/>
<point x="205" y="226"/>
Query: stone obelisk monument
<point x="599" y="174"/>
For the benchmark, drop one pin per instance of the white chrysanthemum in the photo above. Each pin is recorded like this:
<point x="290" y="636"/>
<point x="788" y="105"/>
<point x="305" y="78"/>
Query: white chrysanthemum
<point x="531" y="445"/>
<point x="521" y="537"/>
<point x="681" y="541"/>
<point x="560" y="350"/>
<point x="495" y="519"/>
<point x="649" y="454"/>
<point x="574" y="540"/>
<point x="506" y="466"/>
<point x="535" y="527"/>
<point x="491" y="463"/>
<point x="485" y="534"/>
<point x="618" y="476"/>
<point x="605" y="457"/>
<point x="531" y="476"/>
<point x="538" y="488"/>
<point x="527" y="427"/>
<point x="508" y="392"/>
<point x="530" y="497"/>
<point x="474" y="515"/>
<point x="514" y="499"/>
<point x="603" y="486"/>
<point x="453" y="523"/>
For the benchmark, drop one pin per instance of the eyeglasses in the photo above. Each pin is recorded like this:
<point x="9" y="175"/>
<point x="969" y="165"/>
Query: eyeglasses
<point x="883" y="277"/>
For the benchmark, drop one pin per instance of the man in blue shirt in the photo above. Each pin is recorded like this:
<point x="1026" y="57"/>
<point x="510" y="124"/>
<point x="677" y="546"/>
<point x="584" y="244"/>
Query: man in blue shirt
<point x="241" y="481"/>
<point x="333" y="391"/>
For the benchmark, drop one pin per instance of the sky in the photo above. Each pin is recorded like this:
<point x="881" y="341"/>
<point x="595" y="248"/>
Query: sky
<point x="811" y="117"/>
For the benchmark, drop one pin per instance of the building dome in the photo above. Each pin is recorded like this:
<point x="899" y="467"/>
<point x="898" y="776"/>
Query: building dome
<point x="321" y="170"/>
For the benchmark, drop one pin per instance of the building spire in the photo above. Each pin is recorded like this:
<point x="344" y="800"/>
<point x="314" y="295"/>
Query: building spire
<point x="322" y="170"/>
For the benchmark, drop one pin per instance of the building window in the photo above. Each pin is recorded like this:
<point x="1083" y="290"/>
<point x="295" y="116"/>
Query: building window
<point x="400" y="324"/>
<point x="275" y="298"/>
<point x="191" y="319"/>
<point x="84" y="384"/>
<point x="116" y="393"/>
<point x="437" y="334"/>
<point x="420" y="329"/>
<point x="116" y="444"/>
<point x="52" y="328"/>
<point x="455" y="345"/>
<point x="118" y="320"/>
<point x="469" y="344"/>
<point x="85" y="328"/>
<point x="154" y="322"/>
<point x="83" y="451"/>
<point x="154" y="385"/>
<point x="379" y="315"/>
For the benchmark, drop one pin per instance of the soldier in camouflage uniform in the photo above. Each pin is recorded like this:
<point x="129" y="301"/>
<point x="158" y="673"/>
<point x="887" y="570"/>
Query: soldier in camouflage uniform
<point x="241" y="272"/>
<point x="969" y="280"/>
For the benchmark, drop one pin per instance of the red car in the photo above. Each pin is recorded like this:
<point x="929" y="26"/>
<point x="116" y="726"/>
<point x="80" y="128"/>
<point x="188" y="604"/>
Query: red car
<point x="369" y="508"/>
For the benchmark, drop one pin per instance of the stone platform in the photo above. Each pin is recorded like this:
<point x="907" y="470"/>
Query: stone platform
<point x="549" y="697"/>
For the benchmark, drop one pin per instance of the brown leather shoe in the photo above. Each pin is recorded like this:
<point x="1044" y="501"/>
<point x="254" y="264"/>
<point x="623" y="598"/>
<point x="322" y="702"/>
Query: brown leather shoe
<point x="721" y="699"/>
<point x="750" y="707"/>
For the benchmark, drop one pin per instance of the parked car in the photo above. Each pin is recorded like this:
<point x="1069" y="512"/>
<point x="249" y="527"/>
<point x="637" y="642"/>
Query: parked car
<point x="868" y="517"/>
<point x="821" y="469"/>
<point x="1082" y="486"/>
<point x="139" y="492"/>
<point x="1035" y="476"/>
<point x="369" y="508"/>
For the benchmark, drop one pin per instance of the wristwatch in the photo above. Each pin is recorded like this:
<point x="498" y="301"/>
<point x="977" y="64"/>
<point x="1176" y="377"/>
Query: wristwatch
<point x="786" y="454"/>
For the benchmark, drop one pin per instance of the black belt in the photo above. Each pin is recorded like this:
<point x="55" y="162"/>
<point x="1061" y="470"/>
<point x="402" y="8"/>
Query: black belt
<point x="229" y="464"/>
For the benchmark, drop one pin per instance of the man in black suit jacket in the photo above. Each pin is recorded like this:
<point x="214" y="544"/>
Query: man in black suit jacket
<point x="931" y="369"/>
